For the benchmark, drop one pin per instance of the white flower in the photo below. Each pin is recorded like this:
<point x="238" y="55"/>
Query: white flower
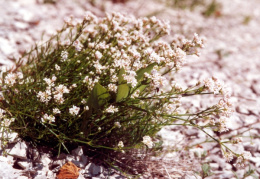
<point x="74" y="110"/>
<point x="10" y="79"/>
<point x="246" y="155"/>
<point x="2" y="113"/>
<point x="71" y="21"/>
<point x="111" y="109"/>
<point x="74" y="85"/>
<point x="228" y="156"/>
<point x="64" y="55"/>
<point x="117" y="124"/>
<point x="176" y="86"/>
<point x="48" y="118"/>
<point x="59" y="98"/>
<point x="198" y="40"/>
<point x="86" y="79"/>
<point x="130" y="78"/>
<point x="6" y="122"/>
<point x="214" y="85"/>
<point x="237" y="140"/>
<point x="223" y="124"/>
<point x="98" y="67"/>
<point x="19" y="75"/>
<point x="120" y="144"/>
<point x="112" y="87"/>
<point x="45" y="96"/>
<point x="135" y="94"/>
<point x="61" y="89"/>
<point x="83" y="101"/>
<point x="78" y="46"/>
<point x="180" y="57"/>
<point x="148" y="141"/>
<point x="90" y="17"/>
<point x="226" y="106"/>
<point x="243" y="158"/>
<point x="158" y="80"/>
<point x="86" y="108"/>
<point x="50" y="82"/>
<point x="56" y="111"/>
<point x="114" y="78"/>
<point x="57" y="67"/>
<point x="98" y="55"/>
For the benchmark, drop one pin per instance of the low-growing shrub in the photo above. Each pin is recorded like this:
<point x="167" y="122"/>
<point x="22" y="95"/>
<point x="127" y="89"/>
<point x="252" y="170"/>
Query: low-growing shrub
<point x="105" y="83"/>
<point x="207" y="7"/>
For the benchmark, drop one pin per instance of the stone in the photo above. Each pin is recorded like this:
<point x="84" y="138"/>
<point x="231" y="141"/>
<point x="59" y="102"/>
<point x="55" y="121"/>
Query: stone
<point x="78" y="163"/>
<point x="33" y="154"/>
<point x="242" y="109"/>
<point x="94" y="169"/>
<point x="19" y="150"/>
<point x="38" y="166"/>
<point x="251" y="147"/>
<point x="45" y="174"/>
<point x="10" y="136"/>
<point x="7" y="171"/>
<point x="78" y="151"/>
<point x="45" y="159"/>
<point x="228" y="166"/>
<point x="58" y="163"/>
<point x="79" y="158"/>
<point x="50" y="174"/>
<point x="3" y="159"/>
<point x="23" y="177"/>
<point x="214" y="166"/>
<point x="40" y="176"/>
<point x="31" y="171"/>
<point x="256" y="88"/>
<point x="6" y="46"/>
<point x="81" y="176"/>
<point x="21" y="25"/>
<point x="25" y="15"/>
<point x="83" y="160"/>
<point x="256" y="160"/>
<point x="13" y="137"/>
<point x="69" y="158"/>
<point x="61" y="156"/>
<point x="220" y="161"/>
<point x="24" y="164"/>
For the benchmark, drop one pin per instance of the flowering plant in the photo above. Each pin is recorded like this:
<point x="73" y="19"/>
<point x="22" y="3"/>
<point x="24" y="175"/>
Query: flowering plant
<point x="105" y="83"/>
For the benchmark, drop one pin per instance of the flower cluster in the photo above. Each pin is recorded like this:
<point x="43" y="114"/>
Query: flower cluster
<point x="48" y="118"/>
<point x="224" y="106"/>
<point x="245" y="156"/>
<point x="111" y="109"/>
<point x="74" y="110"/>
<point x="11" y="78"/>
<point x="241" y="158"/>
<point x="148" y="141"/>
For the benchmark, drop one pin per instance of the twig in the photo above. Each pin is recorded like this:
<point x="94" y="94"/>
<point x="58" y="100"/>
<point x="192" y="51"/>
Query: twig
<point x="167" y="172"/>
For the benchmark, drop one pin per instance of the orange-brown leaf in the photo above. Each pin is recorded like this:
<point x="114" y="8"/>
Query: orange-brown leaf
<point x="68" y="171"/>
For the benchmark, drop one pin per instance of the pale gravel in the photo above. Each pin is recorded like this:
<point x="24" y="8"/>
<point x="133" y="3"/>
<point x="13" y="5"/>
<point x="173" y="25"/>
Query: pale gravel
<point x="23" y="22"/>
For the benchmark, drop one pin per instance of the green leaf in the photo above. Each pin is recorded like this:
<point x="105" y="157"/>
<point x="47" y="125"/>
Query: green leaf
<point x="140" y="73"/>
<point x="140" y="77"/>
<point x="120" y="75"/>
<point x="98" y="97"/>
<point x="122" y="92"/>
<point x="123" y="88"/>
<point x="205" y="167"/>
